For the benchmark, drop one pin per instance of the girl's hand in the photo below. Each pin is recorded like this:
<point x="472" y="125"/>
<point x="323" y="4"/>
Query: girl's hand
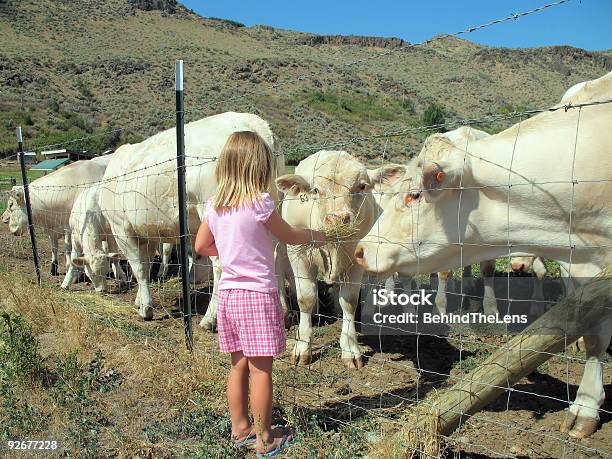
<point x="293" y="235"/>
<point x="205" y="241"/>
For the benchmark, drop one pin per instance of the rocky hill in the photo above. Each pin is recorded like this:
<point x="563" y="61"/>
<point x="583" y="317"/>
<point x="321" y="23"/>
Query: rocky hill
<point x="76" y="68"/>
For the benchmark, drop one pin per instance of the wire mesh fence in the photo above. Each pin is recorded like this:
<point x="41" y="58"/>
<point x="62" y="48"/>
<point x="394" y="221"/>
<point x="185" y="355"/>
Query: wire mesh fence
<point x="537" y="190"/>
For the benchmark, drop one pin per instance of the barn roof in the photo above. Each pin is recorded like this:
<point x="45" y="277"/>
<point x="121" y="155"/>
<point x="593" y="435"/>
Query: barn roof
<point x="50" y="164"/>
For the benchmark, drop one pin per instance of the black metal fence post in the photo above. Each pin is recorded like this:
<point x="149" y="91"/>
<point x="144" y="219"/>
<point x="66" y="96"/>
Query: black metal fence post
<point x="180" y="161"/>
<point x="26" y="195"/>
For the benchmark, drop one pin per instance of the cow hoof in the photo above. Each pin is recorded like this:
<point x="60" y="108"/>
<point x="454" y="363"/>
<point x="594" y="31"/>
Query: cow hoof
<point x="355" y="363"/>
<point x="208" y="323"/>
<point x="568" y="422"/>
<point x="579" y="426"/>
<point x="302" y="360"/>
<point x="146" y="312"/>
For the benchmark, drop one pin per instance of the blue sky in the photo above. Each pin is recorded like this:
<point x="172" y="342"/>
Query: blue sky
<point x="581" y="23"/>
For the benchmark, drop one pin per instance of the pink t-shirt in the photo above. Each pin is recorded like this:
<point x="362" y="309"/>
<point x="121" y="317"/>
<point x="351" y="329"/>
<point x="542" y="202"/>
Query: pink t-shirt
<point x="245" y="246"/>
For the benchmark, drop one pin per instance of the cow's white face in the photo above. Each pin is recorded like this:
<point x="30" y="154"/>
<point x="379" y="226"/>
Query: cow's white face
<point x="339" y="190"/>
<point x="15" y="214"/>
<point x="418" y="232"/>
<point x="96" y="264"/>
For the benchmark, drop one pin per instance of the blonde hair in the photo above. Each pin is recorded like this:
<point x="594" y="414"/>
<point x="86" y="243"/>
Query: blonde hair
<point x="245" y="169"/>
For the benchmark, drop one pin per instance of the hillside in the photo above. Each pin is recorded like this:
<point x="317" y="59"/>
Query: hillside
<point x="70" y="69"/>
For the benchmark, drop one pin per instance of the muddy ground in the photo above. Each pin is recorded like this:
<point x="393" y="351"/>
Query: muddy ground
<point x="338" y="412"/>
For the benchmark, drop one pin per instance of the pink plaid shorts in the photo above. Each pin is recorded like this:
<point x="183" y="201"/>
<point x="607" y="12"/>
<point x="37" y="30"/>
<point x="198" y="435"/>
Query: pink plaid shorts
<point x="251" y="322"/>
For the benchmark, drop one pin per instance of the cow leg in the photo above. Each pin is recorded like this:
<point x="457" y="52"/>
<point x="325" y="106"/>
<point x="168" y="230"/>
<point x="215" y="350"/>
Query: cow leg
<point x="122" y="280"/>
<point x="582" y="418"/>
<point x="537" y="306"/>
<point x="209" y="321"/>
<point x="72" y="273"/>
<point x="389" y="286"/>
<point x="54" y="242"/>
<point x="166" y="254"/>
<point x="306" y="292"/>
<point x="140" y="255"/>
<point x="67" y="247"/>
<point x="441" y="300"/>
<point x="489" y="302"/>
<point x="349" y="297"/>
<point x="280" y="266"/>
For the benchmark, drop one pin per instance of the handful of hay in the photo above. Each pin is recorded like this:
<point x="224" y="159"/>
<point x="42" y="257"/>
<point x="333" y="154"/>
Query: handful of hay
<point x="336" y="233"/>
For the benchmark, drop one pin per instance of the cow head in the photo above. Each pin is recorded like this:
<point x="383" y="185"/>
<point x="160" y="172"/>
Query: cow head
<point x="419" y="230"/>
<point x="15" y="214"/>
<point x="336" y="189"/>
<point x="96" y="264"/>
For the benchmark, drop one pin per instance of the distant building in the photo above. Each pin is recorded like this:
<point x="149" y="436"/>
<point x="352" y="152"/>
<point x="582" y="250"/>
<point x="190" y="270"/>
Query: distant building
<point x="29" y="157"/>
<point x="49" y="165"/>
<point x="72" y="155"/>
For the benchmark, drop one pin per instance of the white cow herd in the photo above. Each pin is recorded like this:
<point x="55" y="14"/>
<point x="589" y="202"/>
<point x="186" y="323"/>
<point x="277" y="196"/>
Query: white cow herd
<point x="538" y="189"/>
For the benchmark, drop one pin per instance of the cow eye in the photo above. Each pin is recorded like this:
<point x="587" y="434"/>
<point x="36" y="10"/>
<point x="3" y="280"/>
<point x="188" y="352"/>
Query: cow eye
<point x="411" y="197"/>
<point x="315" y="191"/>
<point x="362" y="186"/>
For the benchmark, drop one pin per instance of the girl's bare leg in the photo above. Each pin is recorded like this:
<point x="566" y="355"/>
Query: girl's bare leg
<point x="237" y="396"/>
<point x="260" y="369"/>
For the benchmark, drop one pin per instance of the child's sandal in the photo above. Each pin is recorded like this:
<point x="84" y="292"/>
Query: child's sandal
<point x="250" y="440"/>
<point x="283" y="445"/>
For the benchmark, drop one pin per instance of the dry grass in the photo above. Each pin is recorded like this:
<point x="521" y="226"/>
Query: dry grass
<point x="336" y="233"/>
<point x="417" y="438"/>
<point x="169" y="402"/>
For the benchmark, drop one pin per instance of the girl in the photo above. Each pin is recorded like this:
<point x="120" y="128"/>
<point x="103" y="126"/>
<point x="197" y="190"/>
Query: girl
<point x="238" y="226"/>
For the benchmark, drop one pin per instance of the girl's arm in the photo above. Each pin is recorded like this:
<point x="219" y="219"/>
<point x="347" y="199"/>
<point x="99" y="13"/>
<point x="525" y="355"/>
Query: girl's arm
<point x="292" y="235"/>
<point x="205" y="241"/>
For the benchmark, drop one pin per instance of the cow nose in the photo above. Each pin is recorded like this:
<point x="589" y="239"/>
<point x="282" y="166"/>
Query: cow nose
<point x="340" y="217"/>
<point x="518" y="267"/>
<point x="359" y="254"/>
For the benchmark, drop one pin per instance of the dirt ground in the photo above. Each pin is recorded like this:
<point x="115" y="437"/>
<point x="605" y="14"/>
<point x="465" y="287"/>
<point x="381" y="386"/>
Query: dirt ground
<point x="339" y="412"/>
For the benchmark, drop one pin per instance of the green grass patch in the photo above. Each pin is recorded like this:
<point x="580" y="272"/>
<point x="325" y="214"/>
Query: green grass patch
<point x="16" y="174"/>
<point x="354" y="108"/>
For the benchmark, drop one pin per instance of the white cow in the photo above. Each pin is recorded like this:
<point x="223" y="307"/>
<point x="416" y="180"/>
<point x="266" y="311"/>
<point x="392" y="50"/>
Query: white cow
<point x="461" y="138"/>
<point x="326" y="187"/>
<point x="95" y="250"/>
<point x="139" y="193"/>
<point x="93" y="246"/>
<point x="543" y="186"/>
<point x="52" y="198"/>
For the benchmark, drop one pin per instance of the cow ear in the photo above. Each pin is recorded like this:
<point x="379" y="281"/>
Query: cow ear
<point x="438" y="176"/>
<point x="387" y="175"/>
<point x="292" y="184"/>
<point x="78" y="262"/>
<point x="116" y="256"/>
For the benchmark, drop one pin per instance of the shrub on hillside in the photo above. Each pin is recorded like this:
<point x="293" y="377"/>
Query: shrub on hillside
<point x="434" y="114"/>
